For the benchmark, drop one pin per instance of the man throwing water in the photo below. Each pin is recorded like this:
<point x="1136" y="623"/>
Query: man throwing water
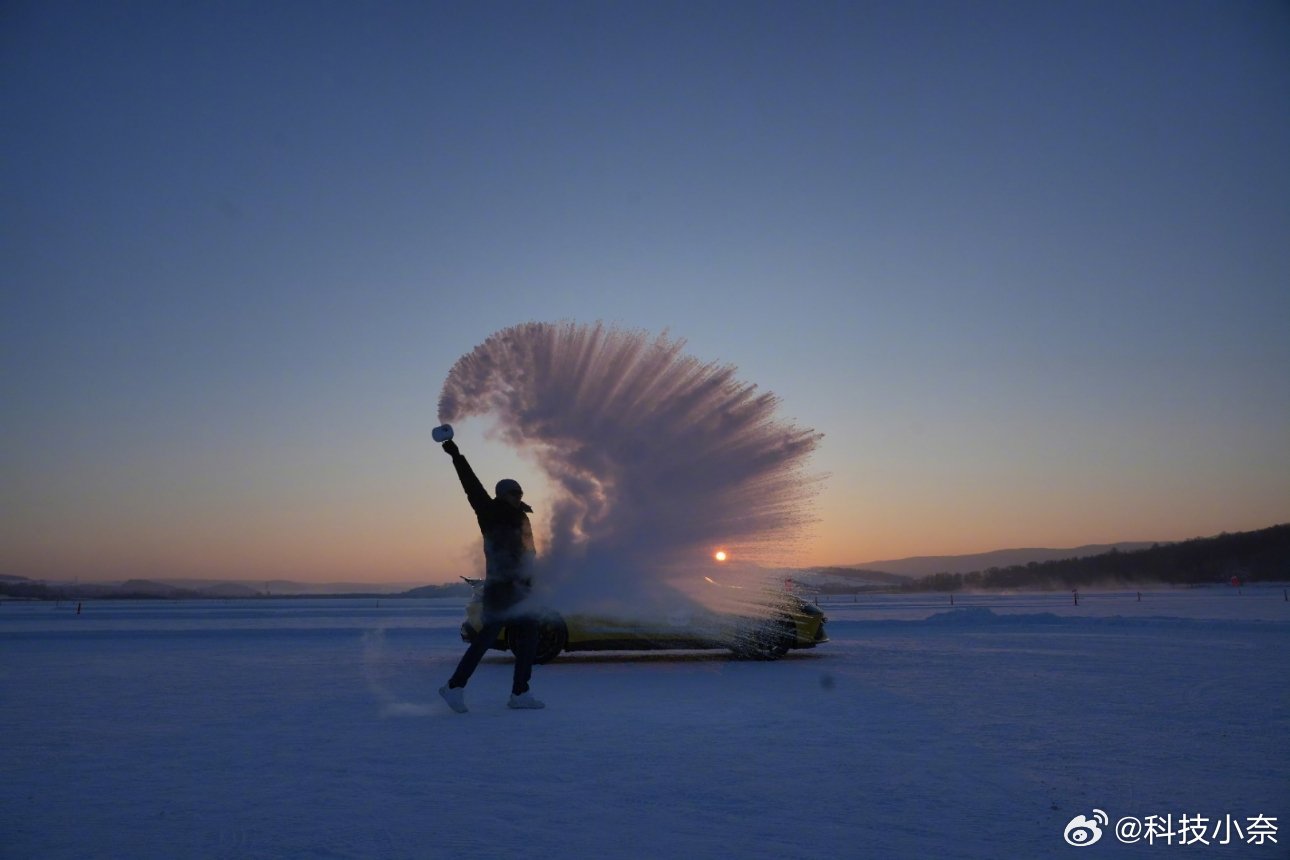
<point x="508" y="554"/>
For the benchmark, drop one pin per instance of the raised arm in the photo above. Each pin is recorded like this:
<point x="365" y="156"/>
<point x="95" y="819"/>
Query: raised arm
<point x="475" y="492"/>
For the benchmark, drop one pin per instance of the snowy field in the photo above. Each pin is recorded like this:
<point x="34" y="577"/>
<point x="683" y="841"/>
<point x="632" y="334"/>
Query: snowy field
<point x="311" y="728"/>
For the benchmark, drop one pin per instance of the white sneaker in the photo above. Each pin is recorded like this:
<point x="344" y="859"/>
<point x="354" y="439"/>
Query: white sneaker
<point x="455" y="697"/>
<point x="525" y="700"/>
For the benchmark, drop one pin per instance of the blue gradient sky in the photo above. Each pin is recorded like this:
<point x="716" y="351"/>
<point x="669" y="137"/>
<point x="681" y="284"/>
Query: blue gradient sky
<point x="1026" y="265"/>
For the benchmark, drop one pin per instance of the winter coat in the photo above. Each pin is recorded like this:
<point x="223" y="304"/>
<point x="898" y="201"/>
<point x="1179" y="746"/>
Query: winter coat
<point x="508" y="541"/>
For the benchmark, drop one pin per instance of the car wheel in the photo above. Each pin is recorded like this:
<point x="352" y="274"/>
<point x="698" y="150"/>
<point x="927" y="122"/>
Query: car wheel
<point x="787" y="638"/>
<point x="768" y="641"/>
<point x="553" y="635"/>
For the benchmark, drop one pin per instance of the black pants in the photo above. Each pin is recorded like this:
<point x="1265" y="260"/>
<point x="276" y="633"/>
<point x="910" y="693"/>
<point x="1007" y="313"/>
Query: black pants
<point x="521" y="632"/>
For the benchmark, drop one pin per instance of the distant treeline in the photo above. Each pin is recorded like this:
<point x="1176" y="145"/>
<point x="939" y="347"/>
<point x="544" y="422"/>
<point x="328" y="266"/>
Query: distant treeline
<point x="1262" y="555"/>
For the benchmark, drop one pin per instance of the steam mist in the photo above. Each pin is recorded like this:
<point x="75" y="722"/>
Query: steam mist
<point x="656" y="459"/>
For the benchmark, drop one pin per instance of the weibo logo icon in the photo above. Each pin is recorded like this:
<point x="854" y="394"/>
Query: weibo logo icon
<point x="1083" y="831"/>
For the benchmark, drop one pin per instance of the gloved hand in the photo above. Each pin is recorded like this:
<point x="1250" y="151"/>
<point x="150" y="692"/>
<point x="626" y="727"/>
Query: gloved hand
<point x="451" y="447"/>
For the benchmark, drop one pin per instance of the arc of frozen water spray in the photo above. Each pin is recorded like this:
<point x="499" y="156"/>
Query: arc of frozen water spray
<point x="654" y="456"/>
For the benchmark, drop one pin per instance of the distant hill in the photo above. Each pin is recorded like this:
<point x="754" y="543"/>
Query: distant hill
<point x="230" y="590"/>
<point x="284" y="587"/>
<point x="449" y="589"/>
<point x="928" y="564"/>
<point x="846" y="580"/>
<point x="1250" y="556"/>
<point x="1257" y="556"/>
<point x="197" y="589"/>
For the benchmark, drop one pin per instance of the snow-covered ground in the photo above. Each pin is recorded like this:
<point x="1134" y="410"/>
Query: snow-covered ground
<point x="311" y="728"/>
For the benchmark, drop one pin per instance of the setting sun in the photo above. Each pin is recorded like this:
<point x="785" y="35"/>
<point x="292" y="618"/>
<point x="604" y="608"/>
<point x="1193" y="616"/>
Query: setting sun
<point x="720" y="555"/>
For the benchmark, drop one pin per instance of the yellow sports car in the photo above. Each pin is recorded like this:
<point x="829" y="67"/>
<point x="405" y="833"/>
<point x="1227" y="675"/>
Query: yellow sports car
<point x="783" y="622"/>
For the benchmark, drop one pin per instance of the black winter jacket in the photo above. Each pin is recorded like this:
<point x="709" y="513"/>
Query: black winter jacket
<point x="508" y="540"/>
